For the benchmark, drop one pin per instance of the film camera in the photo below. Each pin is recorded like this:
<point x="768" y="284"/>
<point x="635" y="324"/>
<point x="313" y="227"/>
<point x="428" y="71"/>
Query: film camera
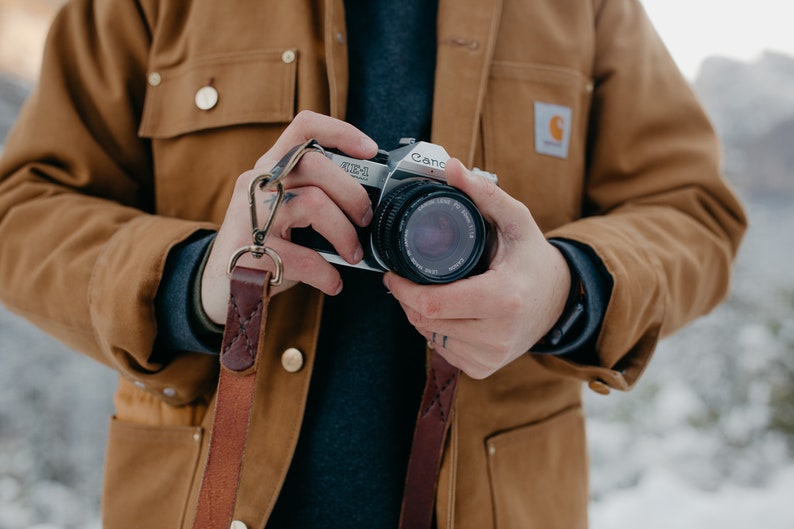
<point x="423" y="229"/>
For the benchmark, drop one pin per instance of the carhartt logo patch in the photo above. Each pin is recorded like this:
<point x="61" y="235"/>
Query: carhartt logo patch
<point x="552" y="129"/>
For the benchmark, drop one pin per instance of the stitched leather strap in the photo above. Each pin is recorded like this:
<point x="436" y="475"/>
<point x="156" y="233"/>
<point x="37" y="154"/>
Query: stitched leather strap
<point x="428" y="444"/>
<point x="245" y="324"/>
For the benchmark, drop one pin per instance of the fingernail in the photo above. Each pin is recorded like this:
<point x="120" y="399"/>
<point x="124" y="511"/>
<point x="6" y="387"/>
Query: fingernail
<point x="368" y="144"/>
<point x="339" y="289"/>
<point x="367" y="218"/>
<point x="359" y="255"/>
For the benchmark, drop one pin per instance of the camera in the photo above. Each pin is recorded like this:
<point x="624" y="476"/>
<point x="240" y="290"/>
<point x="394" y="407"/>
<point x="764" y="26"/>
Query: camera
<point x="423" y="229"/>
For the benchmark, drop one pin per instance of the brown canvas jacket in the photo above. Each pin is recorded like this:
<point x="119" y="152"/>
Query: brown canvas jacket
<point x="112" y="163"/>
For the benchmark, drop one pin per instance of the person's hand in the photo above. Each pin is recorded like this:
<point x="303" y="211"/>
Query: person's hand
<point x="318" y="193"/>
<point x="486" y="321"/>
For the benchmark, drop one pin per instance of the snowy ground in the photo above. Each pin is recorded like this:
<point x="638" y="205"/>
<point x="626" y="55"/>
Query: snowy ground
<point x="705" y="440"/>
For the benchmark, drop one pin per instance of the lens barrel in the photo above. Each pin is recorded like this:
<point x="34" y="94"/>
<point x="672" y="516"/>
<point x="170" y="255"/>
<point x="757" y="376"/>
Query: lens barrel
<point x="428" y="232"/>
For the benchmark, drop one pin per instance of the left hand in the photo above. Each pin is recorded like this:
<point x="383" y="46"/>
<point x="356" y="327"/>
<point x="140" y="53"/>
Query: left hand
<point x="484" y="322"/>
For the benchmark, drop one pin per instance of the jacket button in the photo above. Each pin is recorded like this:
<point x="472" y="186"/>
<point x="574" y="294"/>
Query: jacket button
<point x="237" y="524"/>
<point x="599" y="387"/>
<point x="288" y="57"/>
<point x="206" y="98"/>
<point x="292" y="360"/>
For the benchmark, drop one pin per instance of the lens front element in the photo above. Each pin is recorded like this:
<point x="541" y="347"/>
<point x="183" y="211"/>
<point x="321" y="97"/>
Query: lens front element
<point x="428" y="232"/>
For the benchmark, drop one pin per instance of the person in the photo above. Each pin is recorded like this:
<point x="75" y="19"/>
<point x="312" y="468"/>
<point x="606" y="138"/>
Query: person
<point x="123" y="195"/>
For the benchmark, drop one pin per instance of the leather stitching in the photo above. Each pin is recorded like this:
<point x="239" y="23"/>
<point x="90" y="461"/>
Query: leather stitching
<point x="439" y="390"/>
<point x="242" y="329"/>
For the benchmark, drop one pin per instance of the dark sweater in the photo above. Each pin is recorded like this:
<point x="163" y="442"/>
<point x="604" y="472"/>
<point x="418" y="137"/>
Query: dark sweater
<point x="350" y="463"/>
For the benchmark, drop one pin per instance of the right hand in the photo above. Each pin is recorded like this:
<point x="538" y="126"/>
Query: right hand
<point x="318" y="194"/>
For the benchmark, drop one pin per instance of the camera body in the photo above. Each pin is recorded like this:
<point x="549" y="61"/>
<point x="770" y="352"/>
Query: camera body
<point x="423" y="228"/>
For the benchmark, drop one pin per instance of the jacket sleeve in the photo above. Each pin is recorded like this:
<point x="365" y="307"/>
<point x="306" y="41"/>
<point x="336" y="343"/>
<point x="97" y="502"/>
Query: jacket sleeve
<point x="658" y="213"/>
<point x="81" y="250"/>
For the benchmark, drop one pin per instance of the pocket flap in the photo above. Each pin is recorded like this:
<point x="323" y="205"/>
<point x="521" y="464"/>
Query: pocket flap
<point x="244" y="88"/>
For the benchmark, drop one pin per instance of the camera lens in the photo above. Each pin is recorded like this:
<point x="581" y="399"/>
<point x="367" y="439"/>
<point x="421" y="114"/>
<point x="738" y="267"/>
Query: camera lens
<point x="434" y="234"/>
<point x="428" y="232"/>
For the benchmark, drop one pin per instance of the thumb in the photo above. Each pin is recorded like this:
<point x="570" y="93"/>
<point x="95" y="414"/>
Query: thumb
<point x="492" y="201"/>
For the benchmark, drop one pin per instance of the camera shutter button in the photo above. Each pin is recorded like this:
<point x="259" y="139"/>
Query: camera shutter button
<point x="381" y="157"/>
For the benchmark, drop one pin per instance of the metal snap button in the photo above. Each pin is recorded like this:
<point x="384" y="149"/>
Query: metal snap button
<point x="599" y="387"/>
<point x="288" y="56"/>
<point x="206" y="98"/>
<point x="292" y="360"/>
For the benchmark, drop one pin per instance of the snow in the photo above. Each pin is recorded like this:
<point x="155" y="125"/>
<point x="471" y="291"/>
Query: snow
<point x="662" y="500"/>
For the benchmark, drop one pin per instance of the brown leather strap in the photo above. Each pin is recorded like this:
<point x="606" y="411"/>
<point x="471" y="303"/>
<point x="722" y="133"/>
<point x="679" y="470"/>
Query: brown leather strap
<point x="245" y="323"/>
<point x="429" y="434"/>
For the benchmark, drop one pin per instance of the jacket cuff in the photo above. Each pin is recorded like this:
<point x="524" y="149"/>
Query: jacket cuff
<point x="123" y="287"/>
<point x="575" y="333"/>
<point x="181" y="322"/>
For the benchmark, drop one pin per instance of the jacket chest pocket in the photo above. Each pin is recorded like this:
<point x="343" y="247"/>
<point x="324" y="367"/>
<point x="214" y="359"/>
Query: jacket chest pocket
<point x="209" y="119"/>
<point x="534" y="137"/>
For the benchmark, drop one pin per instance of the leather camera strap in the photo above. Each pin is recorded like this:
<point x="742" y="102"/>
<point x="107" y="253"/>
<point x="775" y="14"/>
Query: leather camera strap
<point x="430" y="432"/>
<point x="245" y="325"/>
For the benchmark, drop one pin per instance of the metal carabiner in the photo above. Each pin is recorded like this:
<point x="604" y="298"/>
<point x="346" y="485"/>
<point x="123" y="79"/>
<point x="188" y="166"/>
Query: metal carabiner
<point x="268" y="181"/>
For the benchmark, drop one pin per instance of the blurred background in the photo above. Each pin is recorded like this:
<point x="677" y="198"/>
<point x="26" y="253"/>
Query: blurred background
<point x="706" y="439"/>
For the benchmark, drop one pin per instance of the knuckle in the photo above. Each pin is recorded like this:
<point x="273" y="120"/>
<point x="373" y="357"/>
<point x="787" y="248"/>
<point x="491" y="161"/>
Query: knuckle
<point x="312" y="162"/>
<point x="303" y="117"/>
<point x="417" y="320"/>
<point x="313" y="197"/>
<point x="429" y="305"/>
<point x="489" y="188"/>
<point x="244" y="180"/>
